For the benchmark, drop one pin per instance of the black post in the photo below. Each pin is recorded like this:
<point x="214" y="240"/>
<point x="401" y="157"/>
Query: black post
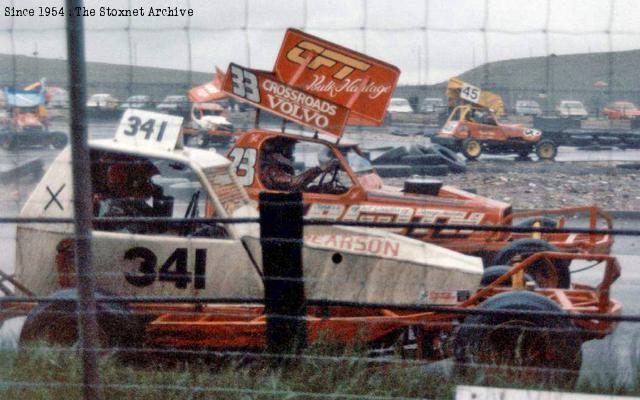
<point x="82" y="200"/>
<point x="281" y="238"/>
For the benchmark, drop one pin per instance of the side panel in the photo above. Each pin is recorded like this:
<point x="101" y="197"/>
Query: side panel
<point x="176" y="266"/>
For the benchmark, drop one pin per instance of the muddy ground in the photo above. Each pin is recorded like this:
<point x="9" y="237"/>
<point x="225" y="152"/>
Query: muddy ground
<point x="535" y="185"/>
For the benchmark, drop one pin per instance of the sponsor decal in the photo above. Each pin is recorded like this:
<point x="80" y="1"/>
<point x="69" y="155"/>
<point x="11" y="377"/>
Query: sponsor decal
<point x="377" y="246"/>
<point x="382" y="213"/>
<point x="265" y="91"/>
<point x="350" y="79"/>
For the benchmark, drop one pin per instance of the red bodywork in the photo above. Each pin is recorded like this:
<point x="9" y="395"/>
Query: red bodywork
<point x="369" y="199"/>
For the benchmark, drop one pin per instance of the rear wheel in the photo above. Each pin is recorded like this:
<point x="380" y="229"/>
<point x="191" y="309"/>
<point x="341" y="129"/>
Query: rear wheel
<point x="546" y="150"/>
<point x="56" y="323"/>
<point x="471" y="148"/>
<point x="59" y="140"/>
<point x="547" y="273"/>
<point x="8" y="142"/>
<point x="527" y="348"/>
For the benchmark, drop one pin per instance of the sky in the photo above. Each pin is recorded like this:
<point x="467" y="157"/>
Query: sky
<point x="429" y="40"/>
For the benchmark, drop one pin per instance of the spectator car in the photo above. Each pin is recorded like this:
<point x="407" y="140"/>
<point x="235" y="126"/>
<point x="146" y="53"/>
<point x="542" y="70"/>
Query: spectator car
<point x="571" y="109"/>
<point x="175" y="104"/>
<point x="139" y="101"/>
<point x="528" y="107"/>
<point x="102" y="102"/>
<point x="621" y="110"/>
<point x="433" y="105"/>
<point x="399" y="105"/>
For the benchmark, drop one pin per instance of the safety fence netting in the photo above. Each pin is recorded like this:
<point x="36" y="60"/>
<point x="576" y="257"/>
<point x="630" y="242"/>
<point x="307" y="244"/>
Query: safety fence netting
<point x="211" y="281"/>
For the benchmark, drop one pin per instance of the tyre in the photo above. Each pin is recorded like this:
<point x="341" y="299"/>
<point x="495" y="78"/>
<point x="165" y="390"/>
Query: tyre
<point x="531" y="349"/>
<point x="56" y="323"/>
<point x="59" y="140"/>
<point x="524" y="153"/>
<point x="471" y="148"/>
<point x="431" y="170"/>
<point x="607" y="140"/>
<point x="494" y="272"/>
<point x="545" y="222"/>
<point x="632" y="141"/>
<point x="450" y="158"/>
<point x="423" y="159"/>
<point x="546" y="150"/>
<point x="393" y="171"/>
<point x="8" y="142"/>
<point x="202" y="140"/>
<point x="547" y="273"/>
<point x="392" y="156"/>
<point x="580" y="140"/>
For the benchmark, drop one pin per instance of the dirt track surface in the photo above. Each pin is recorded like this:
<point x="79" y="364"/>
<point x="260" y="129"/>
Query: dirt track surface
<point x="535" y="185"/>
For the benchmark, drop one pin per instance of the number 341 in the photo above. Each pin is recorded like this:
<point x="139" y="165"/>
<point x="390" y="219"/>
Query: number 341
<point x="148" y="127"/>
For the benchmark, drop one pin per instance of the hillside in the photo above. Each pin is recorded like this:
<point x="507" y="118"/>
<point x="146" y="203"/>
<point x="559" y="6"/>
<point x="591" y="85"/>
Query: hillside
<point x="120" y="80"/>
<point x="569" y="77"/>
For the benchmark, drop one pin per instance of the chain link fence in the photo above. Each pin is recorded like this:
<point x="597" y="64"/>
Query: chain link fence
<point x="213" y="299"/>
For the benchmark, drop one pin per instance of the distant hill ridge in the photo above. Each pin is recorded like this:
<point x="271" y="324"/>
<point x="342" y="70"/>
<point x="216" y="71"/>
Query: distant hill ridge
<point x="569" y="77"/>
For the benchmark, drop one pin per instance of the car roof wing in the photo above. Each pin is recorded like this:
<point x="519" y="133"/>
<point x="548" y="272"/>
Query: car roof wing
<point x="334" y="73"/>
<point x="263" y="90"/>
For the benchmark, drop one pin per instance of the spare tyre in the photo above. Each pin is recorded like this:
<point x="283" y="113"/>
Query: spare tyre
<point x="393" y="171"/>
<point x="423" y="159"/>
<point x="392" y="156"/>
<point x="580" y="140"/>
<point x="607" y="140"/>
<point x="431" y="170"/>
<point x="450" y="158"/>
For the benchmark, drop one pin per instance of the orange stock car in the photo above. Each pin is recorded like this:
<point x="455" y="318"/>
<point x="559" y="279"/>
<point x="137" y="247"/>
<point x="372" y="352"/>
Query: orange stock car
<point x="473" y="126"/>
<point x="345" y="187"/>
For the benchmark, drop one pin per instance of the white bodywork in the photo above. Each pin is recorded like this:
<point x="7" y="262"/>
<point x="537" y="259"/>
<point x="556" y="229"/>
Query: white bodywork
<point x="207" y="122"/>
<point x="339" y="263"/>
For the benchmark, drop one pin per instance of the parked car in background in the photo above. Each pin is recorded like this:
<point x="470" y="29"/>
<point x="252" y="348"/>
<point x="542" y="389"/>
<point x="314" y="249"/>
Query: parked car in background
<point x="139" y="101"/>
<point x="528" y="107"/>
<point x="102" y="102"/>
<point x="176" y="104"/>
<point x="58" y="97"/>
<point x="399" y="105"/>
<point x="433" y="105"/>
<point x="571" y="109"/>
<point x="621" y="110"/>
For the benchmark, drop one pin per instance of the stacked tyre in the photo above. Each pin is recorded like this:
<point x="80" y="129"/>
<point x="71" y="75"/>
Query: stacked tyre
<point x="434" y="160"/>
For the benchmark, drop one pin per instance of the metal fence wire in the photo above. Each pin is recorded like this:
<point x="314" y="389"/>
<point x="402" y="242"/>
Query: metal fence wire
<point x="287" y="335"/>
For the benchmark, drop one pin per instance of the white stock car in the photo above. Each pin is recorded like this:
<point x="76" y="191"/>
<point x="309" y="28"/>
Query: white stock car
<point x="211" y="260"/>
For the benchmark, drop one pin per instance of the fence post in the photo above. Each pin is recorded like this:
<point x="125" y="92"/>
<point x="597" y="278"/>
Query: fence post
<point x="281" y="239"/>
<point x="82" y="200"/>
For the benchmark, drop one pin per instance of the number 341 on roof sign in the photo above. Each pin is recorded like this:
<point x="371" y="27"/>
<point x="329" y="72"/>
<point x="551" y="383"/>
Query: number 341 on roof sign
<point x="263" y="90"/>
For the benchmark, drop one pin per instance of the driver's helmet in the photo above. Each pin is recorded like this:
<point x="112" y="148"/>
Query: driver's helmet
<point x="279" y="151"/>
<point x="129" y="177"/>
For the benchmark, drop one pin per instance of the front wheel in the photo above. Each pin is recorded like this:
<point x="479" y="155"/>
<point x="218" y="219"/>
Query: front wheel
<point x="546" y="150"/>
<point x="533" y="349"/>
<point x="471" y="148"/>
